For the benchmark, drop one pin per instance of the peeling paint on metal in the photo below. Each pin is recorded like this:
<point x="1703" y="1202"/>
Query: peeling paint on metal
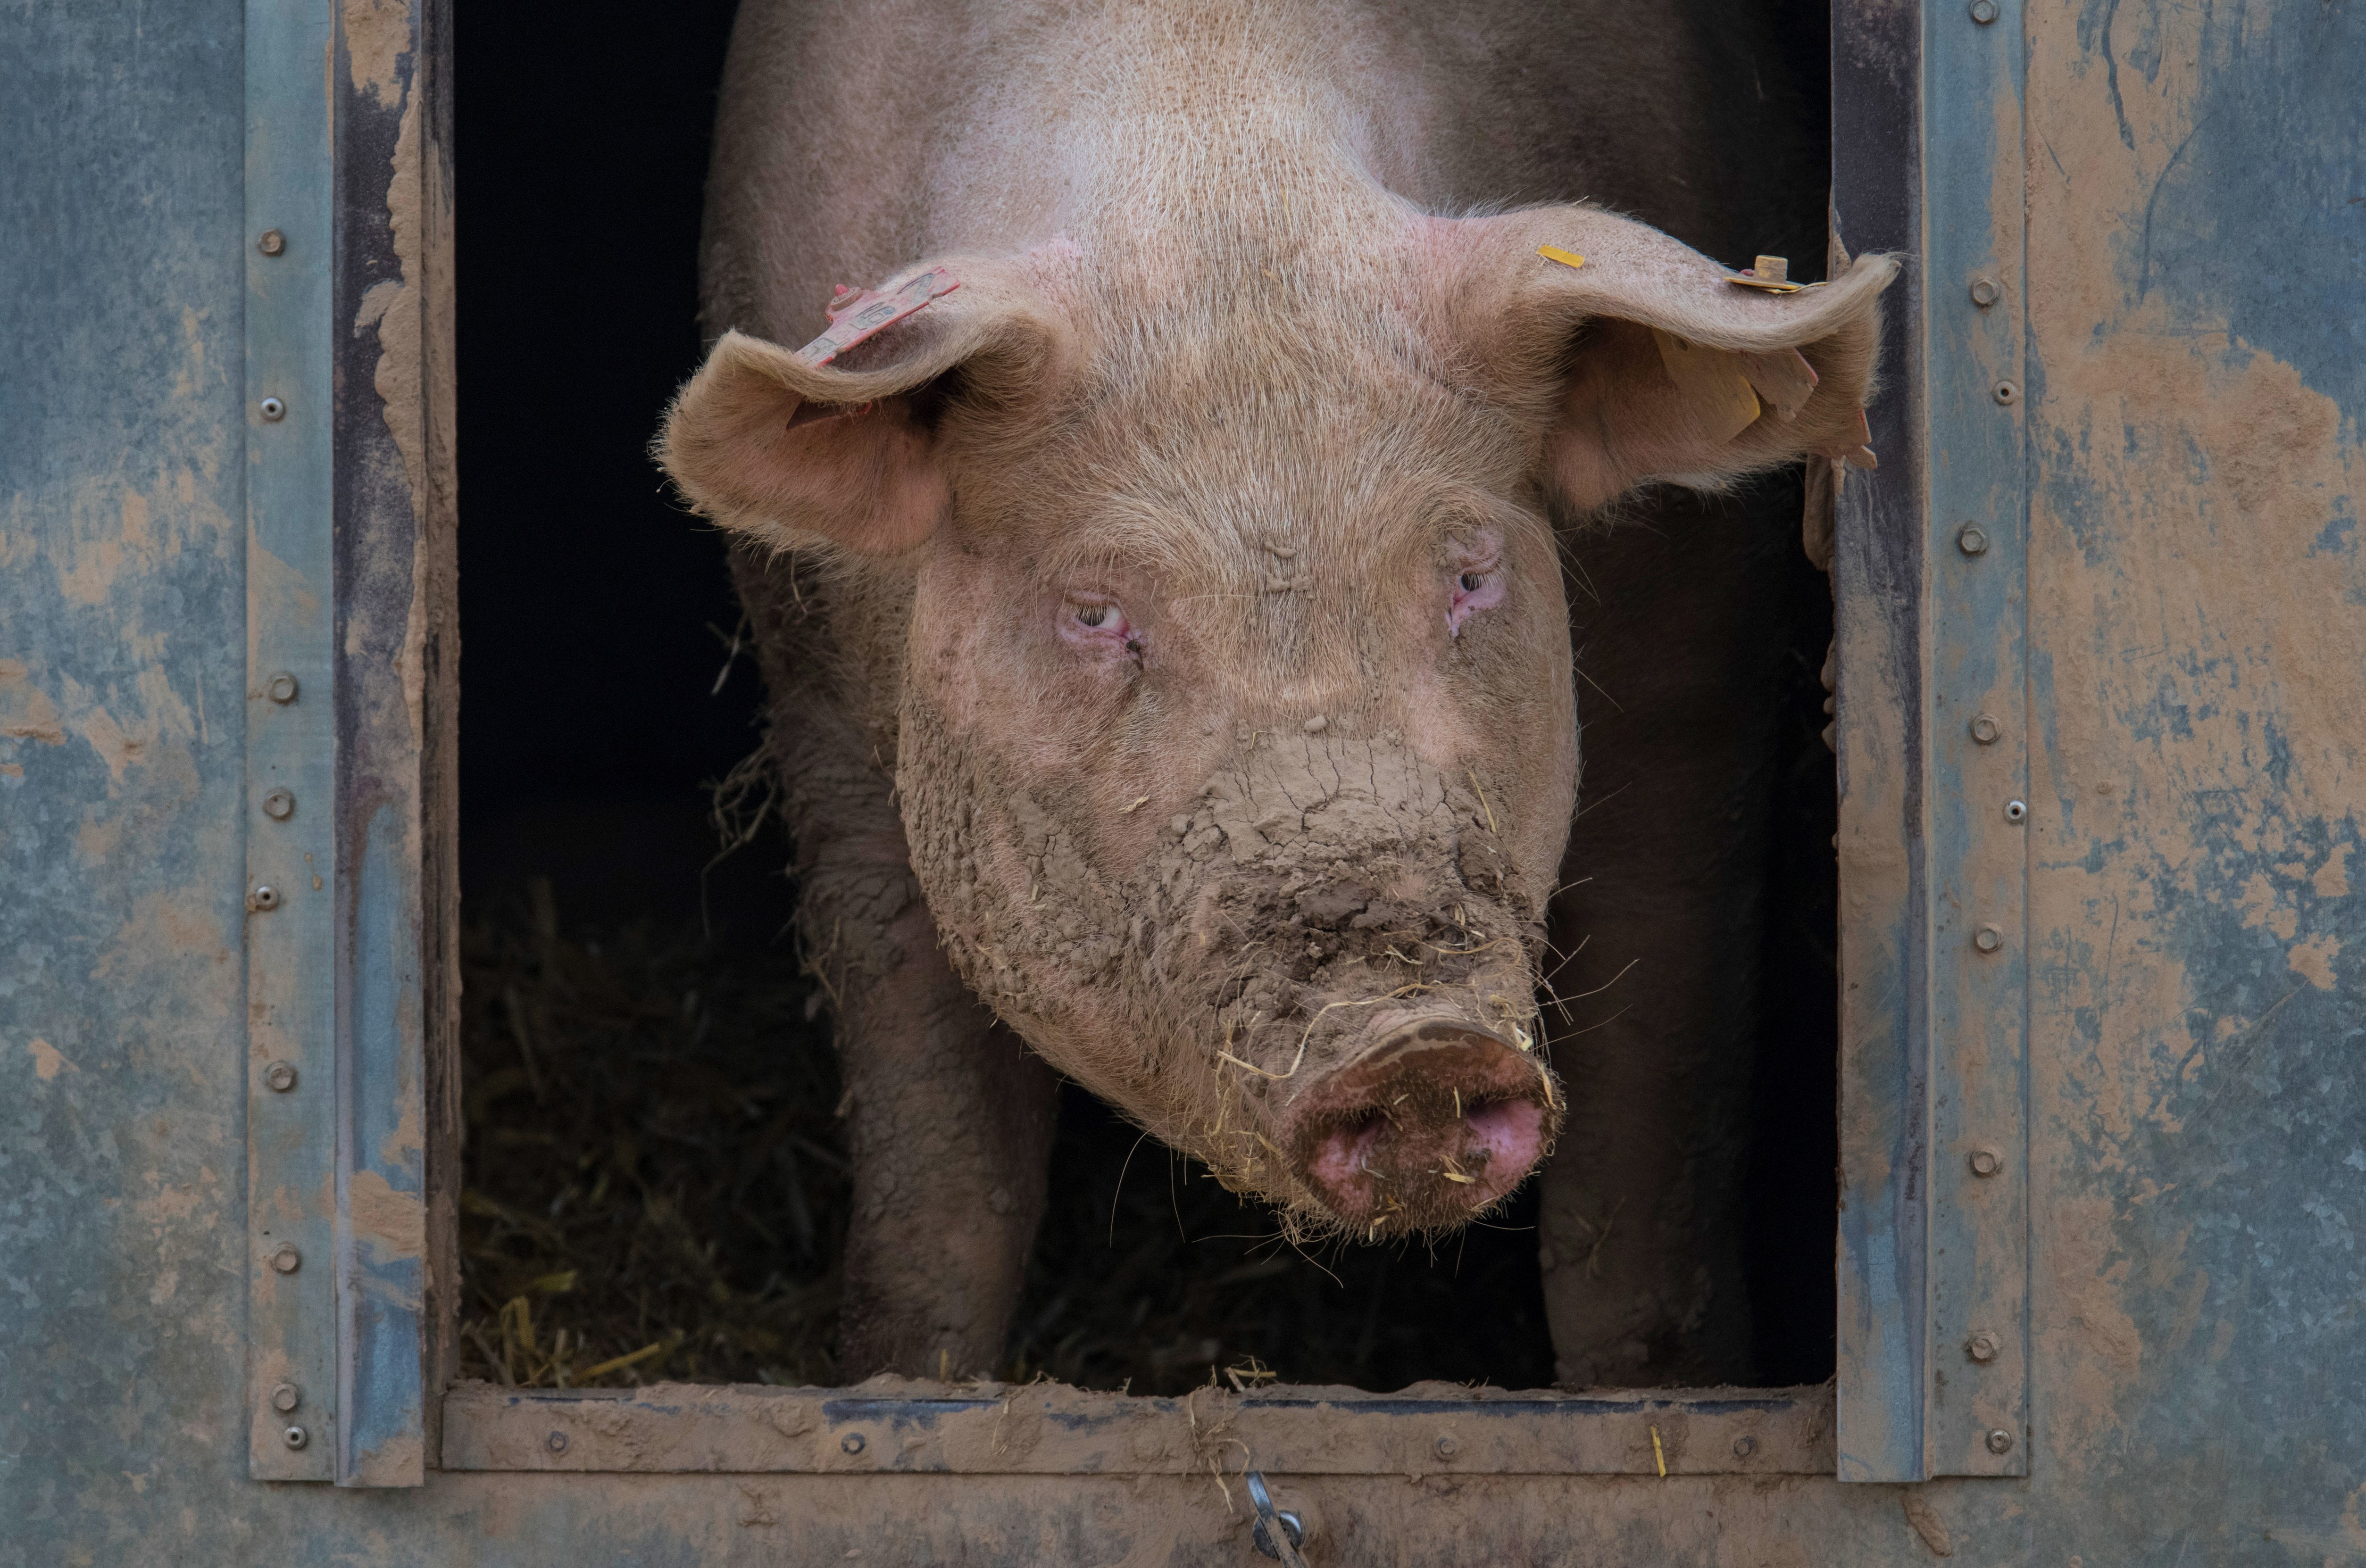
<point x="2199" y="622"/>
<point x="2195" y="380"/>
<point x="395" y="705"/>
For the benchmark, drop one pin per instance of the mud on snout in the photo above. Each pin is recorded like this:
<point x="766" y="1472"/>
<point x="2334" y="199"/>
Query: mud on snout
<point x="1372" y="957"/>
<point x="1320" y="980"/>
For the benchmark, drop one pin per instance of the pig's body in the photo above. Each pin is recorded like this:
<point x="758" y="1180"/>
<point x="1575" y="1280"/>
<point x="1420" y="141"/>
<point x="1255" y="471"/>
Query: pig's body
<point x="1168" y="649"/>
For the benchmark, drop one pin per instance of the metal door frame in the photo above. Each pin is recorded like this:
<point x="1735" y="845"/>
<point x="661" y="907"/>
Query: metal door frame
<point x="351" y="953"/>
<point x="1931" y="603"/>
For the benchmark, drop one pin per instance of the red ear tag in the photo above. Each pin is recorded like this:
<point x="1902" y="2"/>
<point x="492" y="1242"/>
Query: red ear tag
<point x="854" y="317"/>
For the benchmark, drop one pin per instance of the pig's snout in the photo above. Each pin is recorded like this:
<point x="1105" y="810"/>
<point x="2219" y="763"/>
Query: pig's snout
<point x="1434" y="1123"/>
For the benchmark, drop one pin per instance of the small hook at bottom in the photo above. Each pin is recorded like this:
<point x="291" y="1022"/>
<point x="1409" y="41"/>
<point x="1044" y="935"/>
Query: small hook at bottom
<point x="1278" y="1533"/>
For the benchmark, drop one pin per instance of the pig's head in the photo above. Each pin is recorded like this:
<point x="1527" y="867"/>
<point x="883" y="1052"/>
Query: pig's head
<point x="1237" y="743"/>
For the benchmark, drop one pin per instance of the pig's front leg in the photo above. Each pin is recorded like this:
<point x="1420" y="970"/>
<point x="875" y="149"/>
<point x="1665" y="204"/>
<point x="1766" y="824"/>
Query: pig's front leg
<point x="1662" y="915"/>
<point x="949" y="1123"/>
<point x="949" y="1118"/>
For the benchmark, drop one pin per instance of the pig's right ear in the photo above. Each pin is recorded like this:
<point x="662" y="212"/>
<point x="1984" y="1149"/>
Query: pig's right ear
<point x="847" y="454"/>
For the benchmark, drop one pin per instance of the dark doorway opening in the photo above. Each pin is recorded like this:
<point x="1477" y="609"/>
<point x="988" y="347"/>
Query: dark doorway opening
<point x="655" y="1182"/>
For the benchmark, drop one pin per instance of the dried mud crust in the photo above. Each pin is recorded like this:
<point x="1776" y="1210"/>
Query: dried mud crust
<point x="1317" y="891"/>
<point x="674" y="1102"/>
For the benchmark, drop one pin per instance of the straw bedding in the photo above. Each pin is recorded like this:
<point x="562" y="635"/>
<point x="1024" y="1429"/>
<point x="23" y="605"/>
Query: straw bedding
<point x="656" y="1190"/>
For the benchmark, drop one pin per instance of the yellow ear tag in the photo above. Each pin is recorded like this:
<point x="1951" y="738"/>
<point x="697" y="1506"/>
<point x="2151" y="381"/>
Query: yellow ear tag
<point x="1566" y="258"/>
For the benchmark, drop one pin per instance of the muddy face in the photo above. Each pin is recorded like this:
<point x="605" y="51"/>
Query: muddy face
<point x="1232" y="716"/>
<point x="1236" y="781"/>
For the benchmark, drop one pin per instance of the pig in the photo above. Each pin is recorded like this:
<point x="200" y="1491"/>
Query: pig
<point x="1156" y="572"/>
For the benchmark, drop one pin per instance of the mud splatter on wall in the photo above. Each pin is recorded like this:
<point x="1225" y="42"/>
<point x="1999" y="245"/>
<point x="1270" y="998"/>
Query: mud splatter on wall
<point x="2197" y="621"/>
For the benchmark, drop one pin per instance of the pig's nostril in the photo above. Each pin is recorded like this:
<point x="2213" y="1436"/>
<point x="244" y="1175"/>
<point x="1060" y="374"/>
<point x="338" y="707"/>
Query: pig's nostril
<point x="1507" y="1130"/>
<point x="1342" y="1159"/>
<point x="1510" y="1134"/>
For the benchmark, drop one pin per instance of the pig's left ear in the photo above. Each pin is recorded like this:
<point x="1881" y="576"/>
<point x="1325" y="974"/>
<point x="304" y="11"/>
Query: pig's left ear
<point x="1659" y="367"/>
<point x="841" y="452"/>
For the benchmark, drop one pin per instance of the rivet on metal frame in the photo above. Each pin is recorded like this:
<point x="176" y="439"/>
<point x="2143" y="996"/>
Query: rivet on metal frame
<point x="1988" y="938"/>
<point x="264" y="897"/>
<point x="272" y="408"/>
<point x="1973" y="540"/>
<point x="1986" y="1161"/>
<point x="285" y="1398"/>
<point x="2006" y="393"/>
<point x="280" y="688"/>
<point x="1447" y="1446"/>
<point x="295" y="1436"/>
<point x="1983" y="11"/>
<point x="279" y="805"/>
<point x="556" y="1442"/>
<point x="272" y="242"/>
<point x="1982" y="1347"/>
<point x="853" y="1442"/>
<point x="2016" y="810"/>
<point x="1986" y="291"/>
<point x="1744" y="1445"/>
<point x="285" y="1259"/>
<point x="279" y="1077"/>
<point x="1999" y="1441"/>
<point x="1985" y="729"/>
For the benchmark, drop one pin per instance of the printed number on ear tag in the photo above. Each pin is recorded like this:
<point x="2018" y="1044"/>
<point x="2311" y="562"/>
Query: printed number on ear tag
<point x="855" y="317"/>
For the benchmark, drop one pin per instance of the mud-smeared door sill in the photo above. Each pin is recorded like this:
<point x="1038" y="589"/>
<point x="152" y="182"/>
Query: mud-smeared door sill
<point x="894" y="1425"/>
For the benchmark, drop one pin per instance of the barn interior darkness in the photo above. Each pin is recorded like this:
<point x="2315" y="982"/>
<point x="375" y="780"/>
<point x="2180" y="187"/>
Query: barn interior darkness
<point x="654" y="1179"/>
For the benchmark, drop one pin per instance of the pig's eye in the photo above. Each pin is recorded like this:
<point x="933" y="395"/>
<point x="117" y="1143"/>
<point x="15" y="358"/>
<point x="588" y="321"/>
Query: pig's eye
<point x="1098" y="625"/>
<point x="1478" y="586"/>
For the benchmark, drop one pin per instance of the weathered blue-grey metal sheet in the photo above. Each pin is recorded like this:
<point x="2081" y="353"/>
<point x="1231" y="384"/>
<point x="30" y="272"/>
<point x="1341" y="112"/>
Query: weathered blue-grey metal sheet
<point x="1880" y="609"/>
<point x="1045" y="1429"/>
<point x="216" y="982"/>
<point x="343" y="635"/>
<point x="2195" y="606"/>
<point x="2198" y="673"/>
<point x="294" y="883"/>
<point x="1976" y="1367"/>
<point x="396" y="693"/>
<point x="124" y="1255"/>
